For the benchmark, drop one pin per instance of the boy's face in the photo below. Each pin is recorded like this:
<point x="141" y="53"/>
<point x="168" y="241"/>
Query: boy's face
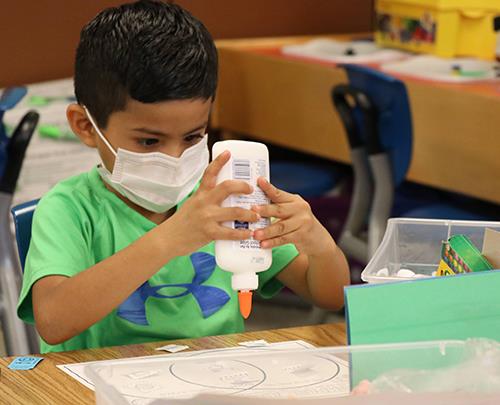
<point x="168" y="127"/>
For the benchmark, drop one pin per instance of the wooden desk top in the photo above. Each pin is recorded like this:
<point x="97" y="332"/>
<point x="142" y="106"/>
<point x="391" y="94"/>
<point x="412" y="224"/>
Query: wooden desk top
<point x="487" y="88"/>
<point x="46" y="384"/>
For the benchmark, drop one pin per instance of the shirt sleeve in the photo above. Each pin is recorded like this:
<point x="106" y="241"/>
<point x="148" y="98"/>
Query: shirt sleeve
<point x="269" y="285"/>
<point x="60" y="245"/>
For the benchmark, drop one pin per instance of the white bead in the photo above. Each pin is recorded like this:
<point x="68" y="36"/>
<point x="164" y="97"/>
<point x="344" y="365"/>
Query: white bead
<point x="405" y="273"/>
<point x="383" y="272"/>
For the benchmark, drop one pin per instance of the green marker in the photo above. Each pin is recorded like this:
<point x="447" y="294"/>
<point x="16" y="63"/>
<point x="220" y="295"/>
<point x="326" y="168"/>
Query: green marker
<point x="55" y="132"/>
<point x="38" y="101"/>
<point x="458" y="70"/>
<point x="473" y="73"/>
<point x="42" y="101"/>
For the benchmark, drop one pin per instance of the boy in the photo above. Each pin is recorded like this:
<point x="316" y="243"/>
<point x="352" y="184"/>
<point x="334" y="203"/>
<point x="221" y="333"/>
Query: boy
<point x="124" y="254"/>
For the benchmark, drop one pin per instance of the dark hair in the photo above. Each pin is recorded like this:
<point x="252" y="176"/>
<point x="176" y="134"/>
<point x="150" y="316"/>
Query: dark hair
<point x="149" y="51"/>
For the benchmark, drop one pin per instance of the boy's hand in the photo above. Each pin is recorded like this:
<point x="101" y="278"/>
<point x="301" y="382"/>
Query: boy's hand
<point x="295" y="222"/>
<point x="199" y="220"/>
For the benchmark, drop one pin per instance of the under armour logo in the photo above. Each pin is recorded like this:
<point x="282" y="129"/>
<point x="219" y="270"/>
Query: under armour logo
<point x="210" y="299"/>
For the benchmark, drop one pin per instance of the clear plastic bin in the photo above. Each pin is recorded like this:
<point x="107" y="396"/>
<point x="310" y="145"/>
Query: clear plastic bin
<point x="308" y="373"/>
<point x="415" y="244"/>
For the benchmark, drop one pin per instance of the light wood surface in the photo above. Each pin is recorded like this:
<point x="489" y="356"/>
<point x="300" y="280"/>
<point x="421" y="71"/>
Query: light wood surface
<point x="286" y="101"/>
<point x="46" y="384"/>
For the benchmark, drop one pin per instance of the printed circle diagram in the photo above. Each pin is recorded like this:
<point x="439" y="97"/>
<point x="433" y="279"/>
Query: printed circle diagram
<point x="257" y="373"/>
<point x="219" y="374"/>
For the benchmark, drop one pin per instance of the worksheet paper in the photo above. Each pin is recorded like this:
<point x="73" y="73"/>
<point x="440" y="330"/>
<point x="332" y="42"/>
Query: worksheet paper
<point x="229" y="371"/>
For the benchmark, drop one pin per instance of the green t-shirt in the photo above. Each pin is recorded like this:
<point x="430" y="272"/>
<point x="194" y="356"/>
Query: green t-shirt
<point x="79" y="223"/>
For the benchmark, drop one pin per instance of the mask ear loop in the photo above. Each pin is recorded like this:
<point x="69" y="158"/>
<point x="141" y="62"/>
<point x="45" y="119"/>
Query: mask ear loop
<point x="89" y="116"/>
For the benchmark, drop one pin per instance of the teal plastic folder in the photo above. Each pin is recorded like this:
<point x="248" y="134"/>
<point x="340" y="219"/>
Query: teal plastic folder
<point x="440" y="308"/>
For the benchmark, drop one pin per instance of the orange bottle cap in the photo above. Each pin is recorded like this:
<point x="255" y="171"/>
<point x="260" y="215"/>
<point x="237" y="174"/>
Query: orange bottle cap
<point x="245" y="300"/>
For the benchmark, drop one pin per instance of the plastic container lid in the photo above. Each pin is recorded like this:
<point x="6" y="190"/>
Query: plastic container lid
<point x="308" y="373"/>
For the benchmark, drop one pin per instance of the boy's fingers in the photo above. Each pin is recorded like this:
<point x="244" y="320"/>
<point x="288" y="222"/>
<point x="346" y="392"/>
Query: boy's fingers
<point x="275" y="194"/>
<point x="276" y="229"/>
<point x="236" y="214"/>
<point x="279" y="240"/>
<point x="229" y="187"/>
<point x="224" y="233"/>
<point x="273" y="210"/>
<point x="209" y="178"/>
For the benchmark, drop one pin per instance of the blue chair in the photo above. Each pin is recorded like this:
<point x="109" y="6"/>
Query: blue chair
<point x="19" y="338"/>
<point x="23" y="219"/>
<point x="375" y="111"/>
<point x="22" y="215"/>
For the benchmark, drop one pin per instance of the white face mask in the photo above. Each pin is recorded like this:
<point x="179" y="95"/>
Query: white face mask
<point x="154" y="181"/>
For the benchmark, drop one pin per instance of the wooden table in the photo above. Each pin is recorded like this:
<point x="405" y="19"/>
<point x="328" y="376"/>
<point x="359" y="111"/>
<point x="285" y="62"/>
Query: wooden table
<point x="286" y="101"/>
<point x="46" y="384"/>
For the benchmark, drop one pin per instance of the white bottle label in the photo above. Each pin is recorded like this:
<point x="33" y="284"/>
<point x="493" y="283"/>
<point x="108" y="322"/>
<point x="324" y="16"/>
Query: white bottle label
<point x="249" y="171"/>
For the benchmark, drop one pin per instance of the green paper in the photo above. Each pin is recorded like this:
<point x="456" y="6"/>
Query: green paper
<point x="442" y="308"/>
<point x="454" y="307"/>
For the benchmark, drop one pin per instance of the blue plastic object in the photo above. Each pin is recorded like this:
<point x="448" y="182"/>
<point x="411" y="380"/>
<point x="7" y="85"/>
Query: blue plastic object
<point x="8" y="100"/>
<point x="11" y="96"/>
<point x="394" y="124"/>
<point x="306" y="179"/>
<point x="23" y="219"/>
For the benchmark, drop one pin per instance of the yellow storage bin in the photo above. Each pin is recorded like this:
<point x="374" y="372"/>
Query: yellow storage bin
<point x="446" y="28"/>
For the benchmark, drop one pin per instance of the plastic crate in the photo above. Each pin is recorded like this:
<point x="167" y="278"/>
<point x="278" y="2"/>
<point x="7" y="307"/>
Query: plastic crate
<point x="446" y="28"/>
<point x="415" y="244"/>
<point x="144" y="381"/>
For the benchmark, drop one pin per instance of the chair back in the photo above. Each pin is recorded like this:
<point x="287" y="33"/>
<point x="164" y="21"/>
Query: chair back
<point x="23" y="219"/>
<point x="393" y="115"/>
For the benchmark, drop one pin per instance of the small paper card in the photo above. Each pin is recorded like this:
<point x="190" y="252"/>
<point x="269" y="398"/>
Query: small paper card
<point x="25" y="363"/>
<point x="254" y="343"/>
<point x="173" y="348"/>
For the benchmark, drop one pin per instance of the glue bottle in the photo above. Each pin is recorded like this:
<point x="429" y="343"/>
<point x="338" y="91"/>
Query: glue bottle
<point x="244" y="258"/>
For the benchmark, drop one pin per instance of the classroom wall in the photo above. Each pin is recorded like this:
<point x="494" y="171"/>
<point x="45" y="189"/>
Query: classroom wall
<point x="249" y="18"/>
<point x="38" y="38"/>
